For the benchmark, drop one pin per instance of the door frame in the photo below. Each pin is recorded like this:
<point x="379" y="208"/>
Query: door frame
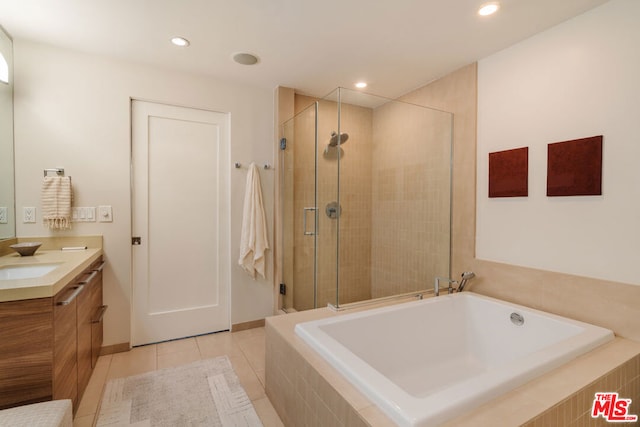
<point x="225" y="211"/>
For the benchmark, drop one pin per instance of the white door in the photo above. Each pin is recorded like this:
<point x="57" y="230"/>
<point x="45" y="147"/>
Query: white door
<point x="180" y="161"/>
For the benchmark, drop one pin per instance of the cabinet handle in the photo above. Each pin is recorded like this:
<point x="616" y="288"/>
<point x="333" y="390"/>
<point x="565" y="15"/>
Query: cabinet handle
<point x="103" y="310"/>
<point x="92" y="276"/>
<point x="100" y="267"/>
<point x="73" y="296"/>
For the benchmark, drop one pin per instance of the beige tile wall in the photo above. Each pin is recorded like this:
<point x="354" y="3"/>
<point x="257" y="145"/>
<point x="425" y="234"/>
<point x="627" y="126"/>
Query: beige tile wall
<point x="394" y="192"/>
<point x="355" y="198"/>
<point x="299" y="394"/>
<point x="457" y="93"/>
<point x="411" y="188"/>
<point x="575" y="411"/>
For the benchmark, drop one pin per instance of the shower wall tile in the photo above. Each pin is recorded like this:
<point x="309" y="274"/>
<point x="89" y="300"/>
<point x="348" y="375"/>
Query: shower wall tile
<point x="394" y="193"/>
<point x="457" y="92"/>
<point x="410" y="206"/>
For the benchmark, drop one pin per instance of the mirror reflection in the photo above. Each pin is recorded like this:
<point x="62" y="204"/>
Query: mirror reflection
<point x="7" y="199"/>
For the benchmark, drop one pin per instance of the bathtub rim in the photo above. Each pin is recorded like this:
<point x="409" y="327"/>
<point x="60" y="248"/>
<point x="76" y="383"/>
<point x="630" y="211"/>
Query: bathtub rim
<point x="407" y="410"/>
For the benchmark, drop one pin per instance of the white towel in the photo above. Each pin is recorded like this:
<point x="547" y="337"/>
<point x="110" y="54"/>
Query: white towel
<point x="56" y="202"/>
<point x="254" y="240"/>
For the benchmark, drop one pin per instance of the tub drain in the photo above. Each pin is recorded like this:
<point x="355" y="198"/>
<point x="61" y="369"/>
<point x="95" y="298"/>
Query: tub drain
<point x="517" y="319"/>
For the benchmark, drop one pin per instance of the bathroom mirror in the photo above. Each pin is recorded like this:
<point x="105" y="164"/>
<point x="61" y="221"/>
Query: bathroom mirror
<point x="7" y="188"/>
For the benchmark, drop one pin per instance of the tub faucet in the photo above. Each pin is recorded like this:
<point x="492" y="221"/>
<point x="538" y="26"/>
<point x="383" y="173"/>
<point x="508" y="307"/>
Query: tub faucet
<point x="466" y="276"/>
<point x="436" y="285"/>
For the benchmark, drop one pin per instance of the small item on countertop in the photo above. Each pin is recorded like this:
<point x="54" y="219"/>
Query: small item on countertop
<point x="74" y="248"/>
<point x="26" y="248"/>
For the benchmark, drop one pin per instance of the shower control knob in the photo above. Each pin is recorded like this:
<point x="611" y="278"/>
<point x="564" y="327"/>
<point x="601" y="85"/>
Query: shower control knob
<point x="333" y="210"/>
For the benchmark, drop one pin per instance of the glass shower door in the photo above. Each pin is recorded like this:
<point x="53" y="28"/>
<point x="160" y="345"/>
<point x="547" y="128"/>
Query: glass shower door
<point x="299" y="210"/>
<point x="366" y="199"/>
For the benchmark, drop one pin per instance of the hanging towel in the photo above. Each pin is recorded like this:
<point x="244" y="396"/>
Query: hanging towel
<point x="254" y="240"/>
<point x="56" y="202"/>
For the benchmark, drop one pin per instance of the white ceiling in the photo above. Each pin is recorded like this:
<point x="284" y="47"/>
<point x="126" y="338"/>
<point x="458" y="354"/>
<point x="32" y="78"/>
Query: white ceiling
<point x="313" y="46"/>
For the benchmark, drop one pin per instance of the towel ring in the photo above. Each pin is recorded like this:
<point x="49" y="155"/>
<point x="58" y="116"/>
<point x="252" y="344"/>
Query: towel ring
<point x="58" y="171"/>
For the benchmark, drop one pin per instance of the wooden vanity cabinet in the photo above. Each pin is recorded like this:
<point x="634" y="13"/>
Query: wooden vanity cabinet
<point x="49" y="346"/>
<point x="26" y="351"/>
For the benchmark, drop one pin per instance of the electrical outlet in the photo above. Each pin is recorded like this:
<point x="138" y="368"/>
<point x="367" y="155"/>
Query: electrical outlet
<point x="105" y="213"/>
<point x="3" y="215"/>
<point x="28" y="215"/>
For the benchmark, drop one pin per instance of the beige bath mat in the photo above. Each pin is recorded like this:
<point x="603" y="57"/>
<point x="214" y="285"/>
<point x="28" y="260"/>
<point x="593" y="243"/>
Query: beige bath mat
<point x="203" y="393"/>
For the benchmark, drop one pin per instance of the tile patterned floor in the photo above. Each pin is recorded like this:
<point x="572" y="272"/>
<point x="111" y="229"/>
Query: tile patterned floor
<point x="245" y="349"/>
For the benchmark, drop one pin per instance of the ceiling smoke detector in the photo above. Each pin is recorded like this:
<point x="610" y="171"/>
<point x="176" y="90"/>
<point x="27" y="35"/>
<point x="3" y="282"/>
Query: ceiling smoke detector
<point x="245" y="58"/>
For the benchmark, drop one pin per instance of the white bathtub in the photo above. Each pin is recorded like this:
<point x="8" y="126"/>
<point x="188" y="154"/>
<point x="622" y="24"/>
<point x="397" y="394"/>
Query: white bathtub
<point x="428" y="361"/>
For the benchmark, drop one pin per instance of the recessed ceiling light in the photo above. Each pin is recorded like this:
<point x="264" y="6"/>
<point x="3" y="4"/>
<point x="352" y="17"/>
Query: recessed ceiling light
<point x="361" y="85"/>
<point x="245" y="58"/>
<point x="180" y="41"/>
<point x="488" y="9"/>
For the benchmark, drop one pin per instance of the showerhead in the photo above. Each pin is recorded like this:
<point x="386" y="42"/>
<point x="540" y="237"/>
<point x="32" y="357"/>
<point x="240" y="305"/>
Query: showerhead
<point x="335" y="139"/>
<point x="468" y="275"/>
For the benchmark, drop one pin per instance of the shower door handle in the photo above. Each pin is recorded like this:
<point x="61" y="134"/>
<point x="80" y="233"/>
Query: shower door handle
<point x="304" y="221"/>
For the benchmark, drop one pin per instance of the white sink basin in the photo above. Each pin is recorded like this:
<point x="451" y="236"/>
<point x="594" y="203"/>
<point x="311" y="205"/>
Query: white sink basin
<point x="14" y="272"/>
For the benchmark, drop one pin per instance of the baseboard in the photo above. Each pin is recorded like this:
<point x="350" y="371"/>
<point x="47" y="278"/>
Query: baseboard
<point x="115" y="348"/>
<point x="247" y="325"/>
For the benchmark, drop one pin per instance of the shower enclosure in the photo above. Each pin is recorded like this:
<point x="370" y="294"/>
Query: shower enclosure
<point x="366" y="199"/>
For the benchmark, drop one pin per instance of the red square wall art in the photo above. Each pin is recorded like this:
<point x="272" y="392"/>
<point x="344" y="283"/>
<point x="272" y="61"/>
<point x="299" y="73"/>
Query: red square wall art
<point x="509" y="173"/>
<point x="574" y="168"/>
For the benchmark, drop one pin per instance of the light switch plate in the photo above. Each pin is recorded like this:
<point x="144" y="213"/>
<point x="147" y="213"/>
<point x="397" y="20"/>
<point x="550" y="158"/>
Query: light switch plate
<point x="105" y="213"/>
<point x="3" y="215"/>
<point x="28" y="215"/>
<point x="83" y="214"/>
